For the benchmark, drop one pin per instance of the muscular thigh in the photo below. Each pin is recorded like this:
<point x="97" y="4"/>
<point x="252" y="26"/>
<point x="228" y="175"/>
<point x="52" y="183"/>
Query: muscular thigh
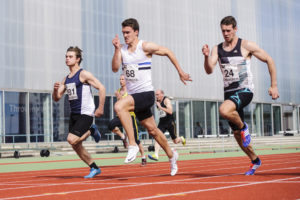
<point x="241" y="99"/>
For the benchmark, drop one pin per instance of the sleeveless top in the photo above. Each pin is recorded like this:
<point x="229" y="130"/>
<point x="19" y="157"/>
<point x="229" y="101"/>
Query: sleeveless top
<point x="136" y="68"/>
<point x="235" y="68"/>
<point x="125" y="95"/>
<point x="163" y="116"/>
<point x="80" y="95"/>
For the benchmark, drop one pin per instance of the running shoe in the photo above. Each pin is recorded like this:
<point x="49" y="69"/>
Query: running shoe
<point x="253" y="168"/>
<point x="93" y="173"/>
<point x="132" y="152"/>
<point x="246" y="137"/>
<point x="144" y="162"/>
<point x="125" y="144"/>
<point x="153" y="157"/>
<point x="183" y="140"/>
<point x="173" y="162"/>
<point x="95" y="133"/>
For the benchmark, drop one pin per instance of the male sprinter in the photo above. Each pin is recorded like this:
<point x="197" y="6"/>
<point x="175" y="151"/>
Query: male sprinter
<point x="234" y="56"/>
<point x="78" y="86"/>
<point x="135" y="57"/>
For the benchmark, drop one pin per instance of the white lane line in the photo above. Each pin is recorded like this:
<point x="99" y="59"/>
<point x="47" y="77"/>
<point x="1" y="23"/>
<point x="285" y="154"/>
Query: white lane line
<point x="213" y="189"/>
<point x="171" y="183"/>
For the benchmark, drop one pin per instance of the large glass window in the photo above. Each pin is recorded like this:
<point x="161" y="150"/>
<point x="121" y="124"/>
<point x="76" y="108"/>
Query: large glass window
<point x="184" y="118"/>
<point x="287" y="117"/>
<point x="224" y="128"/>
<point x="247" y="117"/>
<point x="198" y="118"/>
<point x="1" y="118"/>
<point x="40" y="118"/>
<point x="211" y="118"/>
<point x="276" y="119"/>
<point x="299" y="119"/>
<point x="103" y="121"/>
<point x="267" y="120"/>
<point x="61" y="118"/>
<point x="257" y="119"/>
<point x="15" y="117"/>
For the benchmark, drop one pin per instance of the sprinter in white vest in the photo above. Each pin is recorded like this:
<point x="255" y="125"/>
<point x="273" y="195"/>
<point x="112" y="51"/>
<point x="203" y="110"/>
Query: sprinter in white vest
<point x="135" y="57"/>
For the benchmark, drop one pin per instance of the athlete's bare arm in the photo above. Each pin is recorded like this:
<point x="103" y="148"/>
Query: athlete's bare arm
<point x="117" y="58"/>
<point x="210" y="61"/>
<point x="168" y="109"/>
<point x="151" y="48"/>
<point x="59" y="89"/>
<point x="118" y="95"/>
<point x="87" y="77"/>
<point x="259" y="53"/>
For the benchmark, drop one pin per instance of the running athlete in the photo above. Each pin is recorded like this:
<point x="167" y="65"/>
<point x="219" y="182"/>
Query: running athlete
<point x="234" y="56"/>
<point x="115" y="124"/>
<point x="135" y="57"/>
<point x="166" y="122"/>
<point x="78" y="86"/>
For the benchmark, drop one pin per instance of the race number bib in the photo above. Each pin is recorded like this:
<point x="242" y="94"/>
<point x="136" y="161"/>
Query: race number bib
<point x="162" y="113"/>
<point x="71" y="90"/>
<point x="131" y="72"/>
<point x="231" y="73"/>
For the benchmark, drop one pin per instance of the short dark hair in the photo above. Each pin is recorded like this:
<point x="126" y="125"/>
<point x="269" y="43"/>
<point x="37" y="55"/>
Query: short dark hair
<point x="133" y="23"/>
<point x="229" y="20"/>
<point x="78" y="52"/>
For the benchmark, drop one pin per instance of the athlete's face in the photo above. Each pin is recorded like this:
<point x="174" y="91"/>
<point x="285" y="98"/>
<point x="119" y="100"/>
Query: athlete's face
<point x="129" y="34"/>
<point x="228" y="32"/>
<point x="159" y="95"/>
<point x="122" y="81"/>
<point x="71" y="59"/>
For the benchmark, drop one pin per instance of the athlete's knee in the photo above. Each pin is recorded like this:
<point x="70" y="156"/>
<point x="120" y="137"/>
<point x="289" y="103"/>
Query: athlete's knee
<point x="176" y="141"/>
<point x="224" y="112"/>
<point x="119" y="107"/>
<point x="153" y="130"/>
<point x="72" y="141"/>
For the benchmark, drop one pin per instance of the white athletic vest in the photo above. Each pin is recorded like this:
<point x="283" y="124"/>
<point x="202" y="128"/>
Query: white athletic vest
<point x="136" y="68"/>
<point x="235" y="68"/>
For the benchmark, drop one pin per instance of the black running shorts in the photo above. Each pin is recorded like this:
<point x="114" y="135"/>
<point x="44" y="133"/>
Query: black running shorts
<point x="80" y="124"/>
<point x="168" y="126"/>
<point x="241" y="98"/>
<point x="142" y="104"/>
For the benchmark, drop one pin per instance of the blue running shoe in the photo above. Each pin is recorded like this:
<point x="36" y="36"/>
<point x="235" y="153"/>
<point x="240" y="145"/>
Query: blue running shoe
<point x="153" y="157"/>
<point x="253" y="168"/>
<point x="93" y="173"/>
<point x="246" y="137"/>
<point x="95" y="133"/>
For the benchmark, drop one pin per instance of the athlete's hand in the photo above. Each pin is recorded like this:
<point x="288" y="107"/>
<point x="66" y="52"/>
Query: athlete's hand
<point x="99" y="112"/>
<point x="205" y="50"/>
<point x="117" y="94"/>
<point x="158" y="104"/>
<point x="273" y="92"/>
<point x="116" y="42"/>
<point x="56" y="86"/>
<point x="185" y="77"/>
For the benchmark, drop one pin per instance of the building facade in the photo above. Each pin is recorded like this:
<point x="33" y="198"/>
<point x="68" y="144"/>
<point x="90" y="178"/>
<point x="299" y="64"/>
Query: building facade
<point x="35" y="34"/>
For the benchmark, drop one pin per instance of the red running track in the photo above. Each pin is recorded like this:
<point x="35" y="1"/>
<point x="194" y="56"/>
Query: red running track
<point x="218" y="178"/>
